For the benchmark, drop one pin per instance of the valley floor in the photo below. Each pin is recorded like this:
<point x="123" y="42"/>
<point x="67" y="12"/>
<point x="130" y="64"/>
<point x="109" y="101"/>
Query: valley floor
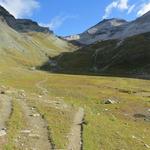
<point x="58" y="111"/>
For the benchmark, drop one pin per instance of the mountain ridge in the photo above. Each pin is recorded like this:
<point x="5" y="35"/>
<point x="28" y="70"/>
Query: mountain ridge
<point x="113" y="28"/>
<point x="21" y="25"/>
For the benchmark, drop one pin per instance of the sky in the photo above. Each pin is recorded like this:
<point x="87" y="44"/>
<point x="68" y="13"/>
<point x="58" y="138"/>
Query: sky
<point x="69" y="17"/>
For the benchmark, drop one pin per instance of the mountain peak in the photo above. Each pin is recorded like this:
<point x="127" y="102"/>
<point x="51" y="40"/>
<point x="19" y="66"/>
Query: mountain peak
<point x="106" y="25"/>
<point x="21" y="25"/>
<point x="113" y="19"/>
<point x="112" y="22"/>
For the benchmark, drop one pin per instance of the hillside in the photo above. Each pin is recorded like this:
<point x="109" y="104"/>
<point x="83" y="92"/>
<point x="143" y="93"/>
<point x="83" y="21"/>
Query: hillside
<point x="128" y="57"/>
<point x="25" y="42"/>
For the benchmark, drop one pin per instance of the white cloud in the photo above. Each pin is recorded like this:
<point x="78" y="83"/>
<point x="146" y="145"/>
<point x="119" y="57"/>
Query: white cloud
<point x="57" y="21"/>
<point x="144" y="8"/>
<point x="123" y="4"/>
<point x="109" y="9"/>
<point x="118" y="4"/>
<point x="20" y="8"/>
<point x="131" y="8"/>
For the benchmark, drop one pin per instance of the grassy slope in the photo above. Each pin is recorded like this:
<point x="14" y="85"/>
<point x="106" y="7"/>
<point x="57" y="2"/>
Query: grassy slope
<point x="29" y="49"/>
<point x="106" y="129"/>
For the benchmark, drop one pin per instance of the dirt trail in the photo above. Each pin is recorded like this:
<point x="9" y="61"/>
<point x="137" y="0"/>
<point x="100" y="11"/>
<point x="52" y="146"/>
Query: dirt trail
<point x="5" y="111"/>
<point x="37" y="132"/>
<point x="75" y="136"/>
<point x="39" y="85"/>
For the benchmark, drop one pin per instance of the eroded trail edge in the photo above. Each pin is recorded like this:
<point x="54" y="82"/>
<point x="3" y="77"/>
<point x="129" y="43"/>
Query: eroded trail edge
<point x="75" y="135"/>
<point x="75" y="138"/>
<point x="37" y="131"/>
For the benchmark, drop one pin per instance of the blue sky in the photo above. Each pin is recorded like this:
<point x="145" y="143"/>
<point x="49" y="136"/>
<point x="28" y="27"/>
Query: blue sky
<point x="68" y="17"/>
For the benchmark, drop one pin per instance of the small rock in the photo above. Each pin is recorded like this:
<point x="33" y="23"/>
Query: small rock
<point x="33" y="108"/>
<point x="3" y="132"/>
<point x="40" y="96"/>
<point x="36" y="115"/>
<point x="109" y="101"/>
<point x="26" y="131"/>
<point x="126" y="114"/>
<point x="133" y="137"/>
<point x="32" y="68"/>
<point x="148" y="110"/>
<point x="147" y="146"/>
<point x="34" y="135"/>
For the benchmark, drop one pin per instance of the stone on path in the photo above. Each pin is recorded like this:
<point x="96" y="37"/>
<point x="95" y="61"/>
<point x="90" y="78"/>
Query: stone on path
<point x="2" y="132"/>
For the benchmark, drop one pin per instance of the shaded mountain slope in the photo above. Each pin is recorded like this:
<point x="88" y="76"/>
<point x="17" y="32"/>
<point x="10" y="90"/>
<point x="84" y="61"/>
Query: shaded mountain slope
<point x="131" y="56"/>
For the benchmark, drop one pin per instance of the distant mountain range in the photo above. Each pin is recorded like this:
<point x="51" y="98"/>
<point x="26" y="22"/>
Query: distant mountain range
<point x="113" y="29"/>
<point x="113" y="46"/>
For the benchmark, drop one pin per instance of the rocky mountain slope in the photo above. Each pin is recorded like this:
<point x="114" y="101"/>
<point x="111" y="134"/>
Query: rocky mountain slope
<point x="26" y="42"/>
<point x="113" y="29"/>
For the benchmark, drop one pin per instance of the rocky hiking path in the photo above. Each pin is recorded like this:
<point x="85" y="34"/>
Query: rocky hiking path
<point x="5" y="111"/>
<point x="36" y="134"/>
<point x="75" y="136"/>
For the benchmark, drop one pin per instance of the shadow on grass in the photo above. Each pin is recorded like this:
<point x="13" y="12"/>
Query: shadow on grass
<point x="144" y="76"/>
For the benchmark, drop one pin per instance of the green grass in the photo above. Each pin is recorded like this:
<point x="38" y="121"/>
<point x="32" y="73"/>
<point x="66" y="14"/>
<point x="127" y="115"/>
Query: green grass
<point x="108" y="126"/>
<point x="108" y="129"/>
